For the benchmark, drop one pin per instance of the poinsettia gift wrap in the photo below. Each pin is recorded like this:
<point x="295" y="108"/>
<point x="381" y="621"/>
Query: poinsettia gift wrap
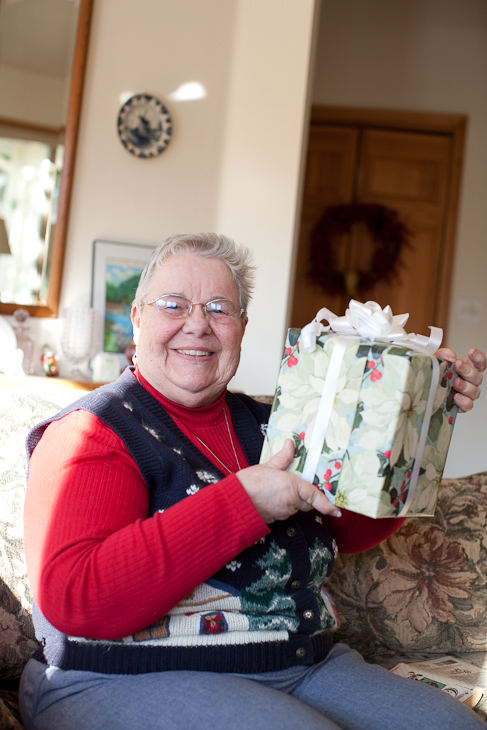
<point x="371" y="417"/>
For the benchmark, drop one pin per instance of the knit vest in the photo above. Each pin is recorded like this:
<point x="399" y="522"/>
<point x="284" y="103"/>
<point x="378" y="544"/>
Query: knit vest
<point x="266" y="610"/>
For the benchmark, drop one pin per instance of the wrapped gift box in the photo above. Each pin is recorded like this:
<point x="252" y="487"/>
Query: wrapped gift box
<point x="373" y="434"/>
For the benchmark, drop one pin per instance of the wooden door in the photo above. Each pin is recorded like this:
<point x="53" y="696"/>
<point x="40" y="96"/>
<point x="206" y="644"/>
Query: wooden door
<point x="330" y="180"/>
<point x="414" y="172"/>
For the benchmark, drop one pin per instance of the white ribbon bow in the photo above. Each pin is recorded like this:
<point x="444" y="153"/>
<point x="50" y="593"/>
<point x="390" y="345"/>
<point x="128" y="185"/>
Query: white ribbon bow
<point x="369" y="321"/>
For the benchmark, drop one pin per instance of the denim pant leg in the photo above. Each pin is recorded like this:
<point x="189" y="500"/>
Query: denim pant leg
<point x="345" y="692"/>
<point x="361" y="696"/>
<point x="52" y="699"/>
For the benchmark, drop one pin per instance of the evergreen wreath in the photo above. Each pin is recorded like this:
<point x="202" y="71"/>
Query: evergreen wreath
<point x="389" y="236"/>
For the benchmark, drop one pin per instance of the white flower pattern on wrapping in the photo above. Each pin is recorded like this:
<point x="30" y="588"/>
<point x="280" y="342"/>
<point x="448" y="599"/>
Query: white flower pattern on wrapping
<point x="301" y="395"/>
<point x="393" y="410"/>
<point x="433" y="465"/>
<point x="356" y="473"/>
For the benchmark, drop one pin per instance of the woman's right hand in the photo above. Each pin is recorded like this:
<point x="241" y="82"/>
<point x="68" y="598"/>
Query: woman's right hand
<point x="277" y="494"/>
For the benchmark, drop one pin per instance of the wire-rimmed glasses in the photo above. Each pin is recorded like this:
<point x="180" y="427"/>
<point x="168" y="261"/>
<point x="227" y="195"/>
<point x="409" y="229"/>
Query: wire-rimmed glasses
<point x="176" y="306"/>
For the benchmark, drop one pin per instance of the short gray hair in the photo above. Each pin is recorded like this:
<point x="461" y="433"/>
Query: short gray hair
<point x="209" y="245"/>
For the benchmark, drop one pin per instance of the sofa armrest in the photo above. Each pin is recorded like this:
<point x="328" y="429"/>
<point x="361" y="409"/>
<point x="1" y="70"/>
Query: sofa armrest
<point x="19" y="410"/>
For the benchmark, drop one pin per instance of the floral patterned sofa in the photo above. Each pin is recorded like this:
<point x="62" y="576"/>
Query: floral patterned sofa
<point x="422" y="592"/>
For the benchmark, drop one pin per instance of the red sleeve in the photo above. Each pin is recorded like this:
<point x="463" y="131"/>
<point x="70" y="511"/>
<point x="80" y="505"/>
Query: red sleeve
<point x="356" y="533"/>
<point x="98" y="566"/>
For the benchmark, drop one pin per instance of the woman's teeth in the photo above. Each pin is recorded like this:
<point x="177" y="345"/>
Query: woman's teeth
<point x="197" y="353"/>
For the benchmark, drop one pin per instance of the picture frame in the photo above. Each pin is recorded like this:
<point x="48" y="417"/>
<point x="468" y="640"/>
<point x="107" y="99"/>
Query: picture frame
<point x="116" y="273"/>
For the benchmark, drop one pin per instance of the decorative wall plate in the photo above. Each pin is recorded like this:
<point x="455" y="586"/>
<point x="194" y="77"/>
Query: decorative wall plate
<point x="144" y="126"/>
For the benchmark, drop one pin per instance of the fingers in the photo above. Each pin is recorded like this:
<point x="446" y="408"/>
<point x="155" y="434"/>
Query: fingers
<point x="467" y="392"/>
<point x="283" y="458"/>
<point x="277" y="494"/>
<point x="446" y="354"/>
<point x="478" y="359"/>
<point x="470" y="370"/>
<point x="295" y="495"/>
<point x="468" y="384"/>
<point x="313" y="498"/>
<point x="301" y="495"/>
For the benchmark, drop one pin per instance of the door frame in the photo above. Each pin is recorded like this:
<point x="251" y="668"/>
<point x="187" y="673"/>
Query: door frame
<point x="452" y="125"/>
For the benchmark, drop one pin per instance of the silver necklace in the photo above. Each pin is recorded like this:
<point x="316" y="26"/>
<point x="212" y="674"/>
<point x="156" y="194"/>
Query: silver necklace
<point x="211" y="452"/>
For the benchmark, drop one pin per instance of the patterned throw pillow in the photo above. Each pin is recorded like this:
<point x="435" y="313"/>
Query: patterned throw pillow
<point x="19" y="411"/>
<point x="424" y="589"/>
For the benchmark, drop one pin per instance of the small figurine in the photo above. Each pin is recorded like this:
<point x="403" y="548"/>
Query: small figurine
<point x="49" y="362"/>
<point x="24" y="340"/>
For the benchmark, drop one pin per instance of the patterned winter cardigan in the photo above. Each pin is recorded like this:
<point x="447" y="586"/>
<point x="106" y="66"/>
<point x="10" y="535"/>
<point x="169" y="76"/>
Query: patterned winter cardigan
<point x="266" y="611"/>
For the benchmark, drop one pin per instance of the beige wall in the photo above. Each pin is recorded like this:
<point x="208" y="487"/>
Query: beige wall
<point x="43" y="99"/>
<point x="266" y="125"/>
<point x="425" y="55"/>
<point x="233" y="163"/>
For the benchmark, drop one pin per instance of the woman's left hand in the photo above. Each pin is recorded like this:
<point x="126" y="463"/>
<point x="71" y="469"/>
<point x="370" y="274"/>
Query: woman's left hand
<point x="470" y="378"/>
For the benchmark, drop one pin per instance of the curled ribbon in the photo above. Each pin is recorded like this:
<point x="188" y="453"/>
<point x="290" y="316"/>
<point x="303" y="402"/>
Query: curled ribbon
<point x="369" y="321"/>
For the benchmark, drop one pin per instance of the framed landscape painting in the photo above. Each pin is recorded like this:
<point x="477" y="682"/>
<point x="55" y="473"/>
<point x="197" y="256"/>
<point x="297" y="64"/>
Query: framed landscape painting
<point x="116" y="272"/>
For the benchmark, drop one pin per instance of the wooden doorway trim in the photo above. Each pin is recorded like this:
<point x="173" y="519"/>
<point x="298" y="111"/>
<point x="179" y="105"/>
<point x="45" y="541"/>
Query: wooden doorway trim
<point x="452" y="125"/>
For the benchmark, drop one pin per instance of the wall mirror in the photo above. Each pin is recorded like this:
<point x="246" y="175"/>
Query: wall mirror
<point x="43" y="51"/>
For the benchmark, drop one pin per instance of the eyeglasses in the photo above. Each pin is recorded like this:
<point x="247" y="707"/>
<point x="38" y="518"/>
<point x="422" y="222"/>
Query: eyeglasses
<point x="177" y="307"/>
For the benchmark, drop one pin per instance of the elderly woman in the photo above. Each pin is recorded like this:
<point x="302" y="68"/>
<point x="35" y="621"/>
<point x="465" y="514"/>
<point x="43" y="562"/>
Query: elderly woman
<point x="177" y="582"/>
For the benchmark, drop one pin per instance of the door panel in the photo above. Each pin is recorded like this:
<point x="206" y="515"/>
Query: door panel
<point x="330" y="180"/>
<point x="407" y="171"/>
<point x="405" y="166"/>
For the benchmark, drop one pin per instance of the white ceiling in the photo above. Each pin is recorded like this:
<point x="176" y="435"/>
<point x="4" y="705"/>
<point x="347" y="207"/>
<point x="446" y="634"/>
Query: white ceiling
<point x="38" y="35"/>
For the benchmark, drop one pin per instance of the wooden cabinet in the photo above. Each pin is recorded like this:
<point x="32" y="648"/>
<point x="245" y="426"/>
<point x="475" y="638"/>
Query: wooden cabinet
<point x="408" y="162"/>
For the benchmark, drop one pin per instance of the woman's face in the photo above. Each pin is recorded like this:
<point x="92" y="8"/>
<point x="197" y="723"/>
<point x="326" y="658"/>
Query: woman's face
<point x="188" y="360"/>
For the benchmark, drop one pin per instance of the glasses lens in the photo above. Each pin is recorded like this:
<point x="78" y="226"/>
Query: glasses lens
<point x="172" y="305"/>
<point x="222" y="308"/>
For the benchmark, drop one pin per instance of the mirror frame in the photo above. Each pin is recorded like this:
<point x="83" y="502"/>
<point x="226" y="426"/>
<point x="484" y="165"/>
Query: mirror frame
<point x="51" y="307"/>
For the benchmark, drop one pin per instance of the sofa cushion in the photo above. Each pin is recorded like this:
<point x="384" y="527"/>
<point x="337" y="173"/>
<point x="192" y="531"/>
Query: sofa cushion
<point x="19" y="411"/>
<point x="424" y="589"/>
<point x="9" y="710"/>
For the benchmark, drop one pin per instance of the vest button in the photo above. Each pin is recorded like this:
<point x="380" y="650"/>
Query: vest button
<point x="309" y="614"/>
<point x="296" y="585"/>
<point x="291" y="531"/>
<point x="301" y="652"/>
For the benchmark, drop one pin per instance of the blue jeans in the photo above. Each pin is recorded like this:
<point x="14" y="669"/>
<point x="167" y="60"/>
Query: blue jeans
<point x="340" y="693"/>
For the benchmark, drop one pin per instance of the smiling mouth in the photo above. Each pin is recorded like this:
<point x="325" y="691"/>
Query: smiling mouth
<point x="195" y="353"/>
